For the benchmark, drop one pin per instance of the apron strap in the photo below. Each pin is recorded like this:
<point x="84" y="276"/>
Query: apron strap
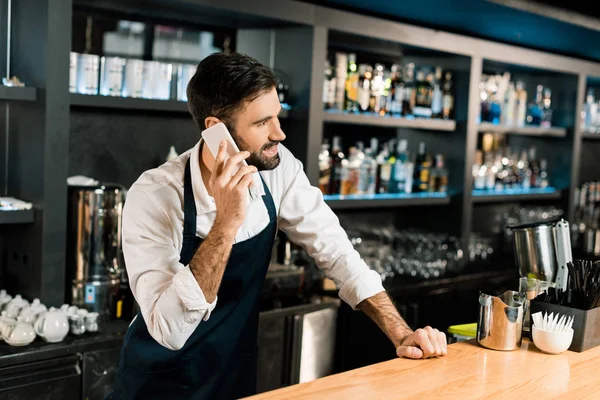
<point x="189" y="204"/>
<point x="268" y="200"/>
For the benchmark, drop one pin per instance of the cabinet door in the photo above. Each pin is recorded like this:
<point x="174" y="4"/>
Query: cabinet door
<point x="99" y="369"/>
<point x="56" y="379"/>
<point x="271" y="353"/>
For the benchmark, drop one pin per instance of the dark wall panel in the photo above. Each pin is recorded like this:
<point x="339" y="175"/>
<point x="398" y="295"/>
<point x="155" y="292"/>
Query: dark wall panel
<point x="118" y="147"/>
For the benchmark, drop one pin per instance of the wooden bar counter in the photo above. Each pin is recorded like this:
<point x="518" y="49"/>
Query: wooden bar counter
<point x="467" y="372"/>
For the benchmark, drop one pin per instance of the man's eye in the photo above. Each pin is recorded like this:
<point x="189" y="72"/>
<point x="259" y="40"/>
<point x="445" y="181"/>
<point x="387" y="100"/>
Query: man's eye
<point x="262" y="124"/>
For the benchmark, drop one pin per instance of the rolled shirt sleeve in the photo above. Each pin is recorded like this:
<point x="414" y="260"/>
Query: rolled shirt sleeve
<point x="309" y="222"/>
<point x="170" y="299"/>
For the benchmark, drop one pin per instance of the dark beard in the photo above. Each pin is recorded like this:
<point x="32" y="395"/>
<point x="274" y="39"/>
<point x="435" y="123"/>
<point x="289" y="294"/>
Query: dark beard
<point x="257" y="159"/>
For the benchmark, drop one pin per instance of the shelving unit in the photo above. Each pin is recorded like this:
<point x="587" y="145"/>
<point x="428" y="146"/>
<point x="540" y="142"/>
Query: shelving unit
<point x="514" y="195"/>
<point x="18" y="93"/>
<point x="389" y="122"/>
<point x="590" y="136"/>
<point x="344" y="202"/>
<point x="127" y="103"/>
<point x="523" y="130"/>
<point x="16" y="217"/>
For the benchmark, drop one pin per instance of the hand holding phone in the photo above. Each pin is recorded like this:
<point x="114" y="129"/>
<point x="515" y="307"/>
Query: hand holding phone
<point x="214" y="135"/>
<point x="230" y="180"/>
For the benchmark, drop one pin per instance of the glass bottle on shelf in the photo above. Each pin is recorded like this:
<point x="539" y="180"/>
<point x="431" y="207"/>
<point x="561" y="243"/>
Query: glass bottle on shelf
<point x="534" y="110"/>
<point x="399" y="173"/>
<point x="409" y="170"/>
<point x="438" y="181"/>
<point x="544" y="182"/>
<point x="489" y="171"/>
<point x="424" y="95"/>
<point x="508" y="111"/>
<point x="521" y="104"/>
<point x="351" y="172"/>
<point x="478" y="180"/>
<point x="547" y="109"/>
<point x="535" y="169"/>
<point x="524" y="171"/>
<point x="409" y="98"/>
<point x="437" y="100"/>
<point x="396" y="93"/>
<point x="324" y="168"/>
<point x="335" y="183"/>
<point x="377" y="87"/>
<point x="448" y="97"/>
<point x="591" y="109"/>
<point x="384" y="170"/>
<point x="365" y="74"/>
<point x="351" y="103"/>
<point x="422" y="169"/>
<point x="329" y="87"/>
<point x="366" y="179"/>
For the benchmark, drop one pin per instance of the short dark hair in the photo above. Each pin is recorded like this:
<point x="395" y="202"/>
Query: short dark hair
<point x="222" y="83"/>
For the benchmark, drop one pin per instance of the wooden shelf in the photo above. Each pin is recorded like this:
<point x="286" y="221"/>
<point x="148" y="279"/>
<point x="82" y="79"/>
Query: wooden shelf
<point x="16" y="217"/>
<point x="129" y="103"/>
<point x="498" y="196"/>
<point x="18" y="93"/>
<point x="524" y="130"/>
<point x="389" y="122"/>
<point x="356" y="201"/>
<point x="590" y="135"/>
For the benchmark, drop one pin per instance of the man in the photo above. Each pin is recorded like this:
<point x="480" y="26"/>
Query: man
<point x="197" y="247"/>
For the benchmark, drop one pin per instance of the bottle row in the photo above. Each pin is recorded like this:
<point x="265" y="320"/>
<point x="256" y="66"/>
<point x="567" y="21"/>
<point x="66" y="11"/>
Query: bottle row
<point x="400" y="90"/>
<point x="505" y="102"/>
<point x="498" y="168"/>
<point x="590" y="118"/>
<point x="390" y="169"/>
<point x="116" y="76"/>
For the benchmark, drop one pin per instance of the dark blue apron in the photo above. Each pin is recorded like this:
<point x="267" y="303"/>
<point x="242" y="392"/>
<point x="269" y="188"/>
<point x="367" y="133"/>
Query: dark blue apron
<point x="219" y="359"/>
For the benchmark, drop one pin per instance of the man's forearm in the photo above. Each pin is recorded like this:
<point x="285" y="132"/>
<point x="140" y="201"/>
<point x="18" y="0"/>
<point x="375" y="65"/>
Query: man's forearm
<point x="383" y="312"/>
<point x="208" y="264"/>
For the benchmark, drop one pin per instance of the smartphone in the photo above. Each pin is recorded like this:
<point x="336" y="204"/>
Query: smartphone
<point x="214" y="135"/>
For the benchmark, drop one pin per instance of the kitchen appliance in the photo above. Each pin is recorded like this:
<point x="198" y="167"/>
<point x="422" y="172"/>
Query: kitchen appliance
<point x="543" y="249"/>
<point x="94" y="254"/>
<point x="500" y="325"/>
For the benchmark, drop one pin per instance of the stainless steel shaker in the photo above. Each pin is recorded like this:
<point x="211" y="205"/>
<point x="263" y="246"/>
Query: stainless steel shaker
<point x="500" y="325"/>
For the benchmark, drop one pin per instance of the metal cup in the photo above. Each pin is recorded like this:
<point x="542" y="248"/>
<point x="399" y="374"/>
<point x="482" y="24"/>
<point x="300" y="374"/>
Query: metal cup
<point x="500" y="325"/>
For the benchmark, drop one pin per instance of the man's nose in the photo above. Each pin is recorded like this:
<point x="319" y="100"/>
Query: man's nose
<point x="277" y="134"/>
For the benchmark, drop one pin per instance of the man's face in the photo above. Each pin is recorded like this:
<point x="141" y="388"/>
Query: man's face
<point x="256" y="129"/>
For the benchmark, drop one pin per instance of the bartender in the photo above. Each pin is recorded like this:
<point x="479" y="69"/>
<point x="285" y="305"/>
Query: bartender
<point x="197" y="247"/>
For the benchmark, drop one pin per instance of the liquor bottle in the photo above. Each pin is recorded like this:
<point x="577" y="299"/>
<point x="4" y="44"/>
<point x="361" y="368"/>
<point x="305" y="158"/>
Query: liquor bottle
<point x="438" y="181"/>
<point x="591" y="109"/>
<point x="392" y="185"/>
<point x="422" y="169"/>
<point x="478" y="177"/>
<point x="521" y="104"/>
<point x="377" y="101"/>
<point x="352" y="85"/>
<point x="324" y="168"/>
<point x="366" y="183"/>
<point x="409" y="98"/>
<point x="489" y="171"/>
<point x="534" y="110"/>
<point x="409" y="170"/>
<point x="448" y="97"/>
<point x="327" y="84"/>
<point x="384" y="170"/>
<point x="437" y="100"/>
<point x="365" y="73"/>
<point x="396" y="93"/>
<point x="335" y="182"/>
<point x="399" y="173"/>
<point x="525" y="171"/>
<point x="535" y="169"/>
<point x="508" y="111"/>
<point x="544" y="182"/>
<point x="374" y="180"/>
<point x="547" y="109"/>
<point x="351" y="172"/>
<point x="341" y="73"/>
<point x="424" y="95"/>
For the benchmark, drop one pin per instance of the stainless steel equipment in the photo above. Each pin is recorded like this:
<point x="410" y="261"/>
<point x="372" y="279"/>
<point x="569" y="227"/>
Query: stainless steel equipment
<point x="541" y="248"/>
<point x="94" y="256"/>
<point x="500" y="325"/>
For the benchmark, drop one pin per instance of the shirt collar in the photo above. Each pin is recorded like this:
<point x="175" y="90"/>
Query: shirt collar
<point x="205" y="203"/>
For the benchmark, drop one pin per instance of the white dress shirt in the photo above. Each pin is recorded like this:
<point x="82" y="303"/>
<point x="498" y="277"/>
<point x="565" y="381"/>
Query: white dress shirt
<point x="171" y="301"/>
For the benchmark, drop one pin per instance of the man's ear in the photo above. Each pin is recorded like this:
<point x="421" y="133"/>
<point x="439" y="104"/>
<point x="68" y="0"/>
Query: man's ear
<point x="210" y="121"/>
